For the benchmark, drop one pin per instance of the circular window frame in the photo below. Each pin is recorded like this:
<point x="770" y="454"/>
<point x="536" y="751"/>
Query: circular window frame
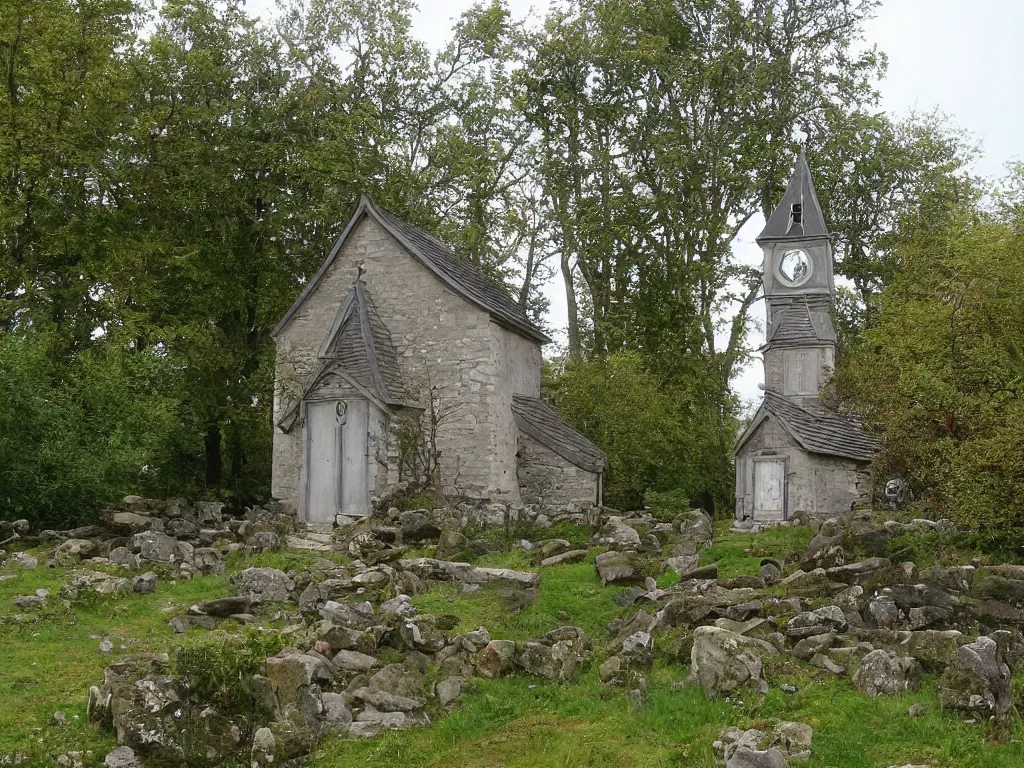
<point x="794" y="283"/>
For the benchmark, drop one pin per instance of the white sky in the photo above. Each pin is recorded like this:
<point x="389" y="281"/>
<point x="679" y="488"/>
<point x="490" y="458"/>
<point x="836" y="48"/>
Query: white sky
<point x="964" y="57"/>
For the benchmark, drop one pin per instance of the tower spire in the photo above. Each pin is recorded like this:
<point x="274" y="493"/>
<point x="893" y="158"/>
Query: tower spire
<point x="799" y="214"/>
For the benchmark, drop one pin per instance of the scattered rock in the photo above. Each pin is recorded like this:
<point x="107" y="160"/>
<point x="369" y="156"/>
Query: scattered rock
<point x="977" y="681"/>
<point x="721" y="661"/>
<point x="883" y="673"/>
<point x="496" y="659"/>
<point x="144" y="583"/>
<point x="572" y="556"/>
<point x="613" y="567"/>
<point x="121" y="757"/>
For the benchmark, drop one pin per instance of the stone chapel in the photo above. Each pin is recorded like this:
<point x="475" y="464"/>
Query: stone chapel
<point x="399" y="363"/>
<point x="797" y="455"/>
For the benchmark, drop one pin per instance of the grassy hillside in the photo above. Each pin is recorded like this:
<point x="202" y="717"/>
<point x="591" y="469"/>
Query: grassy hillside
<point x="51" y="657"/>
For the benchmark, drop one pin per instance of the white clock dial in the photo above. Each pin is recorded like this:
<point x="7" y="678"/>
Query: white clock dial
<point x="795" y="268"/>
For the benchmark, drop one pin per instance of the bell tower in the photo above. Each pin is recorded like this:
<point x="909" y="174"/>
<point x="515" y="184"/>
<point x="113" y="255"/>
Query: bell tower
<point x="799" y="291"/>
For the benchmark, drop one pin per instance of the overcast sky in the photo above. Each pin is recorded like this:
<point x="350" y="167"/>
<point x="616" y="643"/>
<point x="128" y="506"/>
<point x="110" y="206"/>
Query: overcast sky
<point x="964" y="57"/>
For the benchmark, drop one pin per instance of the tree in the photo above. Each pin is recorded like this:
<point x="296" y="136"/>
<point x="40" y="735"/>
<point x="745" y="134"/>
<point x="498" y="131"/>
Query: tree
<point x="940" y="373"/>
<point x="60" y="106"/>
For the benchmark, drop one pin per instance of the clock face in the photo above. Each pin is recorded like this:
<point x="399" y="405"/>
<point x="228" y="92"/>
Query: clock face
<point x="795" y="267"/>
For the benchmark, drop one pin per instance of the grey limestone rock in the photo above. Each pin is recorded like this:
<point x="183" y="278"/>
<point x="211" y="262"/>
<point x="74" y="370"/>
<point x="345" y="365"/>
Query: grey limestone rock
<point x="883" y="673"/>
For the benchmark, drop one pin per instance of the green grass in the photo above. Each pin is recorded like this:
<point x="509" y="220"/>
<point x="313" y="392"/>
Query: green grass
<point x="568" y="594"/>
<point x="520" y="722"/>
<point x="50" y="659"/>
<point x="739" y="554"/>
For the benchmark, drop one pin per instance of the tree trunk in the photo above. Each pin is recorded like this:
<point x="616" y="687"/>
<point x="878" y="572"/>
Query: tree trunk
<point x="575" y="345"/>
<point x="213" y="458"/>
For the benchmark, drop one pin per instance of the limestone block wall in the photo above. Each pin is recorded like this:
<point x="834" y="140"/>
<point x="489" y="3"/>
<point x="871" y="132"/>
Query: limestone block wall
<point x="449" y="352"/>
<point x="822" y="486"/>
<point x="519" y="364"/>
<point x="546" y="478"/>
<point x="775" y="370"/>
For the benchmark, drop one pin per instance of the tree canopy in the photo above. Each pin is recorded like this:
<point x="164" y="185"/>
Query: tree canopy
<point x="170" y="176"/>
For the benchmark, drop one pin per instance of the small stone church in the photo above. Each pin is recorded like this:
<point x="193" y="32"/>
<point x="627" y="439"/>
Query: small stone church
<point x="401" y="364"/>
<point x="796" y="455"/>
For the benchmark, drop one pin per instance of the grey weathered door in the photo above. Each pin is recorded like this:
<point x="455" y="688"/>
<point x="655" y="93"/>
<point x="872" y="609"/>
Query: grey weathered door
<point x="322" y="461"/>
<point x="354" y="461"/>
<point x="769" y="489"/>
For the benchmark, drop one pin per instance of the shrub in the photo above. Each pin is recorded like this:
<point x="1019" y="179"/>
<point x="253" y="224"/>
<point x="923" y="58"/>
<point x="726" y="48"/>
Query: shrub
<point x="220" y="674"/>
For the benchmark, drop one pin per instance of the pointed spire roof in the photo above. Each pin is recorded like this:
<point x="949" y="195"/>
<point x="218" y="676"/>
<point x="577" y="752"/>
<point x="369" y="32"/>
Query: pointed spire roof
<point x="781" y="224"/>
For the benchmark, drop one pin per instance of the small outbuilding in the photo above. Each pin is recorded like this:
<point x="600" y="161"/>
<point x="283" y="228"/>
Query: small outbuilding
<point x="796" y="454"/>
<point x="400" y="364"/>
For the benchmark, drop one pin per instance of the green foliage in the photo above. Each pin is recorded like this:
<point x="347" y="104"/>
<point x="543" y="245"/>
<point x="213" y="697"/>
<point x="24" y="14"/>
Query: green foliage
<point x="941" y="374"/>
<point x="665" y="505"/>
<point x="76" y="435"/>
<point x="656" y="436"/>
<point x="220" y="673"/>
<point x="172" y="173"/>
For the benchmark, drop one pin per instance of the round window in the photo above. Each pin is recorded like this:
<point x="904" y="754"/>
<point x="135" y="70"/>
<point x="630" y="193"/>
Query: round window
<point x="795" y="268"/>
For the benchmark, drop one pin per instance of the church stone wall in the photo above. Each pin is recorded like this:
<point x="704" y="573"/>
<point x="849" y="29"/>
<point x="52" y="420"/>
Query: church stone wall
<point x="546" y="478"/>
<point x="518" y="366"/>
<point x="821" y="486"/>
<point x="442" y="341"/>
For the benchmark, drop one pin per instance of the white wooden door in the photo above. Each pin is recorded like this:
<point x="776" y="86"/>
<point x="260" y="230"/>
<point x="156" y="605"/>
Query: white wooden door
<point x="323" y="442"/>
<point x="769" y="489"/>
<point x="354" y="461"/>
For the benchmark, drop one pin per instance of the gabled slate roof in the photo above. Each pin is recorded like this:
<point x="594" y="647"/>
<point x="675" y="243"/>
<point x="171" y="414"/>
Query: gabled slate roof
<point x="815" y="428"/>
<point x="361" y="343"/>
<point x="800" y="321"/>
<point x="541" y="422"/>
<point x="800" y="190"/>
<point x="463" y="277"/>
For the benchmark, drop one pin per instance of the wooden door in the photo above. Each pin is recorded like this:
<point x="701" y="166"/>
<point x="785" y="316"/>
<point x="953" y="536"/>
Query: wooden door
<point x="355" y="497"/>
<point x="323" y="456"/>
<point x="770" y="489"/>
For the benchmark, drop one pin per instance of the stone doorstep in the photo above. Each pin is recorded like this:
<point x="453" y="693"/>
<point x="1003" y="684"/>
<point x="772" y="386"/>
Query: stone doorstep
<point x="311" y="540"/>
